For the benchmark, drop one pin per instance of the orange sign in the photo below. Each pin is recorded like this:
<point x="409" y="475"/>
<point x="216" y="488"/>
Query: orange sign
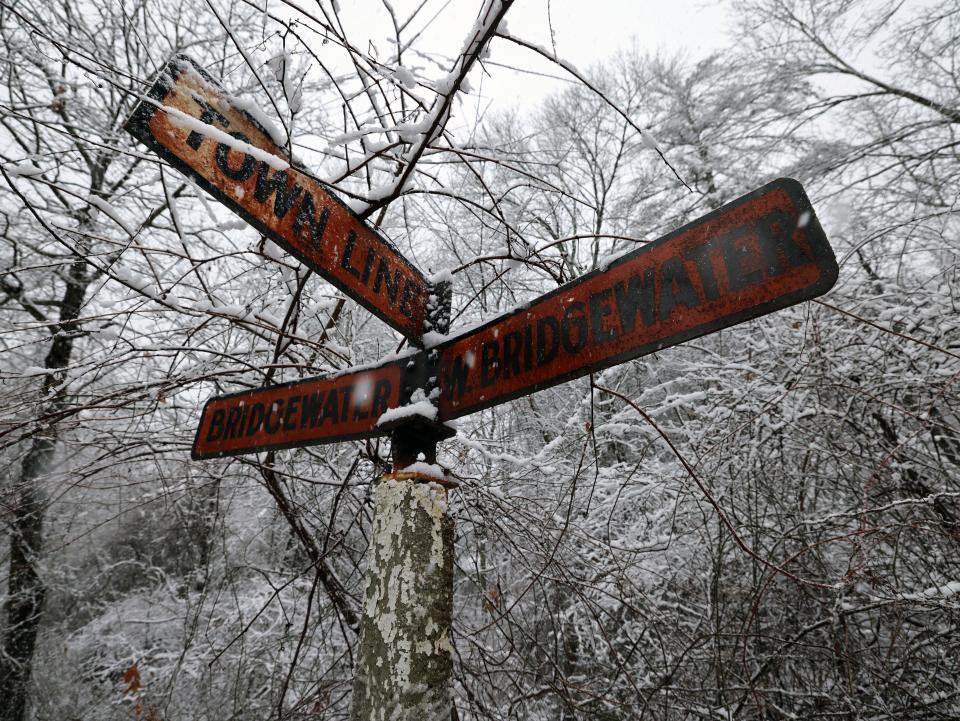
<point x="758" y="254"/>
<point x="753" y="256"/>
<point x="191" y="122"/>
<point x="318" y="410"/>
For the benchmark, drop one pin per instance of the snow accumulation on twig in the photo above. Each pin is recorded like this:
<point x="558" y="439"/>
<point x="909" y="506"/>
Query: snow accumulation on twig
<point x="253" y="109"/>
<point x="646" y="137"/>
<point x="178" y="117"/>
<point x="251" y="65"/>
<point x="861" y="512"/>
<point x="423" y="132"/>
<point x="111" y="212"/>
<point x="405" y="77"/>
<point x="934" y="593"/>
<point x="518" y="461"/>
<point x="25" y="169"/>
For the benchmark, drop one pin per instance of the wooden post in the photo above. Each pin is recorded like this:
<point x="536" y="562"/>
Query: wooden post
<point x="404" y="662"/>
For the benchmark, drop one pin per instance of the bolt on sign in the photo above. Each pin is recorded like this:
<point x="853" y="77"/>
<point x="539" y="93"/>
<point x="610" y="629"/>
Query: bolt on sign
<point x="755" y="255"/>
<point x="191" y="122"/>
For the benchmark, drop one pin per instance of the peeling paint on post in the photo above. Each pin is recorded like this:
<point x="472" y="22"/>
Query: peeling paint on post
<point x="405" y="658"/>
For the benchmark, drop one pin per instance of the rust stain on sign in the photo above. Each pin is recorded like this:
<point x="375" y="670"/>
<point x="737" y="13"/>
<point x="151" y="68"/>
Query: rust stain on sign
<point x="319" y="410"/>
<point x="758" y="254"/>
<point x="187" y="118"/>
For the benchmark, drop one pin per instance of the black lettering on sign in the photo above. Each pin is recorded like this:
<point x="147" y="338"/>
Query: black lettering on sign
<point x="489" y="366"/>
<point x="457" y="378"/>
<point x="207" y="115"/>
<point x="599" y="309"/>
<point x="675" y="288"/>
<point x="702" y="257"/>
<point x="636" y="294"/>
<point x="292" y="405"/>
<point x="381" y="397"/>
<point x="406" y="297"/>
<point x="363" y="399"/>
<point x="222" y="155"/>
<point x="272" y="422"/>
<point x="574" y="319"/>
<point x="256" y="418"/>
<point x="310" y="412"/>
<point x="367" y="266"/>
<point x="348" y="253"/>
<point x="267" y="186"/>
<point x="216" y="425"/>
<point x="347" y="392"/>
<point x="307" y="213"/>
<point x="512" y="344"/>
<point x="742" y="259"/>
<point x="233" y="418"/>
<point x="358" y="404"/>
<point x="383" y="278"/>
<point x="238" y="431"/>
<point x="243" y="419"/>
<point x="527" y="346"/>
<point x="330" y="408"/>
<point x="545" y="352"/>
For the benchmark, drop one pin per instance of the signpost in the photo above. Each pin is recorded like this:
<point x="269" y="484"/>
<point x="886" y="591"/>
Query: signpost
<point x="758" y="254"/>
<point x="190" y="121"/>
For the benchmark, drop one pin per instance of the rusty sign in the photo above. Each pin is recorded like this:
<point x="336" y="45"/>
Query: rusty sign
<point x="755" y="255"/>
<point x="318" y="410"/>
<point x="760" y="253"/>
<point x="189" y="120"/>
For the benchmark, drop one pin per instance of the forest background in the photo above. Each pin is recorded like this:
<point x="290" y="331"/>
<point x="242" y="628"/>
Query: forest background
<point x="759" y="524"/>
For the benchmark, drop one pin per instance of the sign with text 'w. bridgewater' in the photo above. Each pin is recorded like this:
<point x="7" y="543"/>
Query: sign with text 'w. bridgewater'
<point x="755" y="255"/>
<point x="189" y="121"/>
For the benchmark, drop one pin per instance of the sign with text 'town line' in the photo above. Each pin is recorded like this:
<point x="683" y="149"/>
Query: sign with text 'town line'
<point x="188" y="120"/>
<point x="755" y="255"/>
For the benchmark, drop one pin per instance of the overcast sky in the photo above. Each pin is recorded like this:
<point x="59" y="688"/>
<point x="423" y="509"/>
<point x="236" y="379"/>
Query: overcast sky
<point x="583" y="33"/>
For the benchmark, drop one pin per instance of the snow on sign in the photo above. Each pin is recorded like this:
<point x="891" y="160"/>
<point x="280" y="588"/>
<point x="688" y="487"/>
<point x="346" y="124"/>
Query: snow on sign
<point x="294" y="414"/>
<point x="189" y="120"/>
<point x="755" y="255"/>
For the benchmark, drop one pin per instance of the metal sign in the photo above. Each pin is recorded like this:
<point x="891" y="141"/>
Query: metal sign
<point x="758" y="254"/>
<point x="189" y="120"/>
<point x="319" y="410"/>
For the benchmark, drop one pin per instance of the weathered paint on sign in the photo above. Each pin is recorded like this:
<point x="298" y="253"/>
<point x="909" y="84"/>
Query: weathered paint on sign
<point x="283" y="202"/>
<point x="318" y="410"/>
<point x="760" y="253"/>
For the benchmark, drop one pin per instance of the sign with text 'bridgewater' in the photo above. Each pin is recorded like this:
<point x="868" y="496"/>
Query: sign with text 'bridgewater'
<point x="760" y="253"/>
<point x="293" y="414"/>
<point x="189" y="121"/>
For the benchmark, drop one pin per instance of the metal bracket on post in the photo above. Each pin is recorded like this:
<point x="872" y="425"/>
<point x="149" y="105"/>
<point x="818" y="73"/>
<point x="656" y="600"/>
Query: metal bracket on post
<point x="417" y="435"/>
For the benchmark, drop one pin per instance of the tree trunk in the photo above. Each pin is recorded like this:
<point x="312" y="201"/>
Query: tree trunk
<point x="24" y="603"/>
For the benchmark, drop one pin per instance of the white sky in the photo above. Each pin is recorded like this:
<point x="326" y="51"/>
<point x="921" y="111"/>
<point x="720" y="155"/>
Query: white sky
<point x="584" y="32"/>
